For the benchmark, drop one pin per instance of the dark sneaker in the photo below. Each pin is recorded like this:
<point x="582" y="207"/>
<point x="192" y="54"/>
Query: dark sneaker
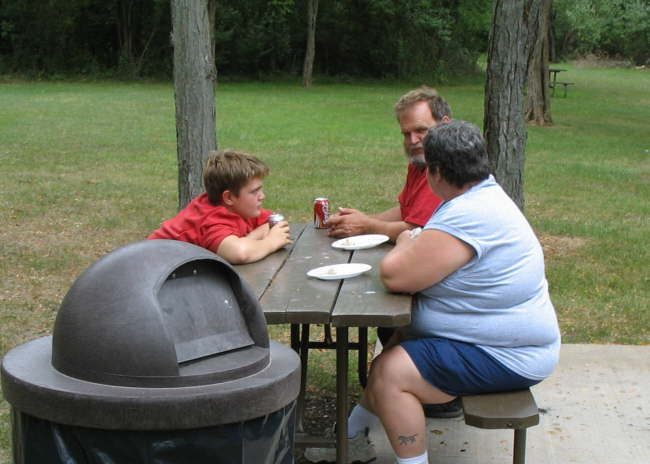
<point x="448" y="410"/>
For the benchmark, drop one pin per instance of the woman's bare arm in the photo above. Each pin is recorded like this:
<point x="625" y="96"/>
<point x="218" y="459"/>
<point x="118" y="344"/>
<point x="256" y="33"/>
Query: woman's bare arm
<point x="417" y="263"/>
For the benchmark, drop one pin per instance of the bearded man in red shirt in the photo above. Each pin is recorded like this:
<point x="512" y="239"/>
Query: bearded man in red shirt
<point x="416" y="111"/>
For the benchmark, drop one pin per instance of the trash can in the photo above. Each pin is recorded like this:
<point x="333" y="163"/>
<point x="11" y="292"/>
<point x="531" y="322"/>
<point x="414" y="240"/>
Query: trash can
<point x="159" y="354"/>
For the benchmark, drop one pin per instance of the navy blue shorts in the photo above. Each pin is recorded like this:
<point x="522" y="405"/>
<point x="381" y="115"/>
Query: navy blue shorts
<point x="459" y="368"/>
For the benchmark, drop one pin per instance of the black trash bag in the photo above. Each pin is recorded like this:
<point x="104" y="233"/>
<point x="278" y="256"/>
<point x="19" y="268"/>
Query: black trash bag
<point x="265" y="440"/>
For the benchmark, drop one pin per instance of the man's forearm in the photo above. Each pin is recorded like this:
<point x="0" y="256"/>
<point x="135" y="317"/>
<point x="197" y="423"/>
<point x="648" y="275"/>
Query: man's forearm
<point x="390" y="215"/>
<point x="390" y="228"/>
<point x="353" y="222"/>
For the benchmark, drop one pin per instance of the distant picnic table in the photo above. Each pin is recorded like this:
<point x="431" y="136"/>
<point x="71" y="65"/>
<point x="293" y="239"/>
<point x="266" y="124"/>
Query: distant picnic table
<point x="553" y="82"/>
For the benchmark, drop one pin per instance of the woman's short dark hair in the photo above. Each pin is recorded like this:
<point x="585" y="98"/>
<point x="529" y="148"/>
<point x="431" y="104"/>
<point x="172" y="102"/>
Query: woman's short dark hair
<point x="457" y="149"/>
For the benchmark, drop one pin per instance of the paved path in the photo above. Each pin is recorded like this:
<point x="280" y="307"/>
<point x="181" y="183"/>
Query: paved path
<point x="595" y="410"/>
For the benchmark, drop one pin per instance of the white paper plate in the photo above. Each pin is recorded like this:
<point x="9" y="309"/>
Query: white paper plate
<point x="339" y="271"/>
<point x="360" y="242"/>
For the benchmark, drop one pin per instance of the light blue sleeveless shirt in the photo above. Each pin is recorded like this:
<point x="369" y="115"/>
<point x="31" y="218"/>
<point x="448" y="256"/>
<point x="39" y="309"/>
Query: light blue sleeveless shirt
<point x="498" y="301"/>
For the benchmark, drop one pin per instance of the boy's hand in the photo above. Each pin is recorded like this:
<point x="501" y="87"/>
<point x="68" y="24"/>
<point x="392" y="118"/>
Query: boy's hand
<point x="279" y="235"/>
<point x="256" y="245"/>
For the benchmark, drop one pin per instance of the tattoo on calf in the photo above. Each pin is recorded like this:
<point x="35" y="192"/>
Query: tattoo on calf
<point x="406" y="439"/>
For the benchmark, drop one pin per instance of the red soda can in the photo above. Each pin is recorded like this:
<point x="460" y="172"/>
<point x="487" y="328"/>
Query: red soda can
<point x="321" y="212"/>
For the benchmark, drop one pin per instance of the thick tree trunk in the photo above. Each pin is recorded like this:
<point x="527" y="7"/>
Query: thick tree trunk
<point x="194" y="82"/>
<point x="212" y="17"/>
<point x="507" y="70"/>
<point x="310" y="53"/>
<point x="537" y="107"/>
<point x="125" y="32"/>
<point x="552" y="43"/>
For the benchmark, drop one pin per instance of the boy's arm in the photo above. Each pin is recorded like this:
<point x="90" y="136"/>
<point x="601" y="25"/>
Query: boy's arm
<point x="260" y="232"/>
<point x="253" y="247"/>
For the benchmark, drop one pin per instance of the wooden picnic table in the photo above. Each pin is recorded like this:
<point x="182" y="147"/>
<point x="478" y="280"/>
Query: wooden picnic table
<point x="553" y="82"/>
<point x="288" y="295"/>
<point x="552" y="74"/>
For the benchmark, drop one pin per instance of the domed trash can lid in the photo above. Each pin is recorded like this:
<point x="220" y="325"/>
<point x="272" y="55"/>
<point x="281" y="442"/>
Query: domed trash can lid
<point x="159" y="334"/>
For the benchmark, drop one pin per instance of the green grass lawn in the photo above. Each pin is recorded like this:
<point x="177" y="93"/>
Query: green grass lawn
<point x="88" y="167"/>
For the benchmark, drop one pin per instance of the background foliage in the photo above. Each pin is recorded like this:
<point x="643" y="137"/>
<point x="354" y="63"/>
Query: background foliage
<point x="614" y="28"/>
<point x="436" y="39"/>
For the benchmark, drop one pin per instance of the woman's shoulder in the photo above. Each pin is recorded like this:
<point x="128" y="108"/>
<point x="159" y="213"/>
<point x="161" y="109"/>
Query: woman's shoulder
<point x="484" y="199"/>
<point x="484" y="211"/>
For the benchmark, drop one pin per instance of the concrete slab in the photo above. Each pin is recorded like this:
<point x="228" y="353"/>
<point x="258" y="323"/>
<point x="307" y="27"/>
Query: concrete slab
<point x="595" y="409"/>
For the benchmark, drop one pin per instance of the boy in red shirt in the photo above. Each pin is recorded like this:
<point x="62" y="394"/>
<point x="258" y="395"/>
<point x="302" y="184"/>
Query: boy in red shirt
<point x="228" y="218"/>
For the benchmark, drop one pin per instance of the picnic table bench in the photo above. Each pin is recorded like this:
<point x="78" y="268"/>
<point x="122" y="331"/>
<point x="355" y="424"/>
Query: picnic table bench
<point x="516" y="410"/>
<point x="287" y="295"/>
<point x="565" y="84"/>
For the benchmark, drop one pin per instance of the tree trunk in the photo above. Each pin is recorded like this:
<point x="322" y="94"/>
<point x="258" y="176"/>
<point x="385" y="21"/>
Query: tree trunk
<point x="212" y="17"/>
<point x="552" y="42"/>
<point x="125" y="33"/>
<point x="537" y="107"/>
<point x="194" y="82"/>
<point x="505" y="130"/>
<point x="310" y="53"/>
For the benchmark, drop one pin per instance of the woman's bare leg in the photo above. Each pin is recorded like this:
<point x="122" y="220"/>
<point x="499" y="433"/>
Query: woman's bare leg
<point x="395" y="393"/>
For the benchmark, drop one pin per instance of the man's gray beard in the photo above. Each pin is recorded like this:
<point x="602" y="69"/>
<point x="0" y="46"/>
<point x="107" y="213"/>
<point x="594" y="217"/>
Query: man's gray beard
<point x="418" y="163"/>
<point x="418" y="160"/>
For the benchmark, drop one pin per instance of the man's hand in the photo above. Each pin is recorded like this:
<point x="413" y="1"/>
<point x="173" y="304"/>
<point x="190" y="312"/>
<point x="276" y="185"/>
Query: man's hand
<point x="348" y="222"/>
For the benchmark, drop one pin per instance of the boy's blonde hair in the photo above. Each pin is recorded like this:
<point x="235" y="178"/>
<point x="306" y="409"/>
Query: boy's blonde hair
<point x="230" y="170"/>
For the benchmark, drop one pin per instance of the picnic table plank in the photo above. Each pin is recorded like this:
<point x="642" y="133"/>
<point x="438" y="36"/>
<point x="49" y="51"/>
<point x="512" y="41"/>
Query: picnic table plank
<point x="311" y="299"/>
<point x="258" y="275"/>
<point x="365" y="296"/>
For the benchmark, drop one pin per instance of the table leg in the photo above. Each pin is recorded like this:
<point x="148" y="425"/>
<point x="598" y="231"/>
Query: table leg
<point x="327" y="337"/>
<point x="295" y="338"/>
<point x="363" y="356"/>
<point x="342" y="395"/>
<point x="304" y="360"/>
<point x="552" y="80"/>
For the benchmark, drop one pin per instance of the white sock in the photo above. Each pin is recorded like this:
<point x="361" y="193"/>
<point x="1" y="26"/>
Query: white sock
<point x="360" y="419"/>
<point x="421" y="459"/>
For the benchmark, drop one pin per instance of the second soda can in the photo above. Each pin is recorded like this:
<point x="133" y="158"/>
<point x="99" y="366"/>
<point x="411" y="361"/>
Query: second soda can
<point x="321" y="212"/>
<point x="275" y="218"/>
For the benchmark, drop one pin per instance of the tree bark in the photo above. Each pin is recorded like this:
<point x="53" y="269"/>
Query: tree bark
<point x="507" y="69"/>
<point x="194" y="82"/>
<point x="552" y="43"/>
<point x="124" y="23"/>
<point x="310" y="53"/>
<point x="537" y="107"/>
